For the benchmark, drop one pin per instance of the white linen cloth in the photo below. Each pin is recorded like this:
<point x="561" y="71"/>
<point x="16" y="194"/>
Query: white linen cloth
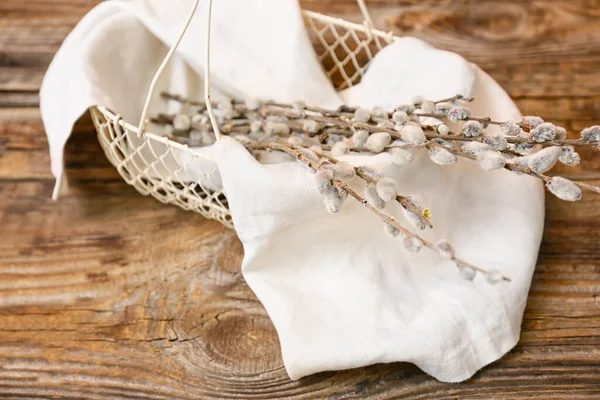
<point x="343" y="294"/>
<point x="111" y="56"/>
<point x="340" y="292"/>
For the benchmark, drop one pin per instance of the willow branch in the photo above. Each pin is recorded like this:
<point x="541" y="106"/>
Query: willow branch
<point x="289" y="149"/>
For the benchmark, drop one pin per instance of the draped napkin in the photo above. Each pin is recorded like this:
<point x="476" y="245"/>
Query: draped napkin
<point x="111" y="56"/>
<point x="340" y="292"/>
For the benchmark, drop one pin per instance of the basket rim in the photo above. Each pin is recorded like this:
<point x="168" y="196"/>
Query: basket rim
<point x="102" y="115"/>
<point x="388" y="36"/>
<point x="110" y="115"/>
<point x="112" y="118"/>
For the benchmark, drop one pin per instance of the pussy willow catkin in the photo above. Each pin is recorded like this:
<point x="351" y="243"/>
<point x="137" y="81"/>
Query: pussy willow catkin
<point x="317" y="137"/>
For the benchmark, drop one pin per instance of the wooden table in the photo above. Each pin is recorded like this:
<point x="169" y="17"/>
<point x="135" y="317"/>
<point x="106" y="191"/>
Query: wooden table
<point x="108" y="294"/>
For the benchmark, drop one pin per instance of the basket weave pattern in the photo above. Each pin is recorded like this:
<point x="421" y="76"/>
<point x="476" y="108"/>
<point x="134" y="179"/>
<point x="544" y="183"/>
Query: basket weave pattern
<point x="177" y="174"/>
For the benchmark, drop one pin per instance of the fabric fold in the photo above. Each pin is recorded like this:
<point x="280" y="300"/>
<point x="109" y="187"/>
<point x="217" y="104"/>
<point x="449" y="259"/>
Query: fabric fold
<point x="340" y="292"/>
<point x="111" y="56"/>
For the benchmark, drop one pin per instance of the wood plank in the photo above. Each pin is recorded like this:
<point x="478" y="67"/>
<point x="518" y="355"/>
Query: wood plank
<point x="527" y="55"/>
<point x="29" y="37"/>
<point x="19" y="99"/>
<point x="542" y="48"/>
<point x="49" y="9"/>
<point x="177" y="326"/>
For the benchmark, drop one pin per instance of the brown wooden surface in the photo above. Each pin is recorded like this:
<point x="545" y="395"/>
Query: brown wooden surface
<point x="108" y="294"/>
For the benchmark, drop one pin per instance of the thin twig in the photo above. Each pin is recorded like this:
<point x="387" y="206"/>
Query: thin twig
<point x="382" y="216"/>
<point x="331" y="117"/>
<point x="341" y="122"/>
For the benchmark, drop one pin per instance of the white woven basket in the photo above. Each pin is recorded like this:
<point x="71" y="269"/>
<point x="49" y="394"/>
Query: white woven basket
<point x="177" y="174"/>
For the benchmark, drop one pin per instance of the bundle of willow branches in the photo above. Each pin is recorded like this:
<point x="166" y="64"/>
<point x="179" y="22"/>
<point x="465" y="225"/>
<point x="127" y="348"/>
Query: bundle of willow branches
<point x="317" y="137"/>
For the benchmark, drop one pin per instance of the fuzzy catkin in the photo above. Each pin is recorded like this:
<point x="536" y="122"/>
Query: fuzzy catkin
<point x="255" y="126"/>
<point x="379" y="112"/>
<point x="532" y="121"/>
<point x="208" y="138"/>
<point x="339" y="149"/>
<point x="277" y="128"/>
<point x="295" y="140"/>
<point x="243" y="139"/>
<point x="168" y="132"/>
<point x="490" y="160"/>
<point x="195" y="135"/>
<point x="496" y="141"/>
<point x="472" y="129"/>
<point x="387" y="188"/>
<point x="371" y="171"/>
<point x="225" y="109"/>
<point x="523" y="147"/>
<point x="413" y="244"/>
<point x="333" y="204"/>
<point x="219" y="117"/>
<point x="333" y="200"/>
<point x="299" y="105"/>
<point x="359" y="138"/>
<point x="446" y="143"/>
<point x="309" y="154"/>
<point x="343" y="170"/>
<point x="564" y="189"/>
<point x="181" y="122"/>
<point x="327" y="165"/>
<point x="443" y="107"/>
<point x="591" y="134"/>
<point x="428" y="107"/>
<point x="458" y="113"/>
<point x="400" y="117"/>
<point x="407" y="108"/>
<point x="466" y="272"/>
<point x="522" y="162"/>
<point x="253" y="103"/>
<point x="414" y="214"/>
<point x="276" y="118"/>
<point x="333" y="139"/>
<point x="324" y="177"/>
<point x="543" y="133"/>
<point x="373" y="198"/>
<point x="561" y="133"/>
<point x="401" y="156"/>
<point x="311" y="126"/>
<point x="224" y="105"/>
<point x="494" y="276"/>
<point x="441" y="156"/>
<point x="391" y="229"/>
<point x="569" y="156"/>
<point x="387" y="124"/>
<point x="377" y="141"/>
<point x="474" y="148"/>
<point x="362" y="115"/>
<point x="443" y="129"/>
<point x="412" y="134"/>
<point x="418" y="100"/>
<point x="445" y="249"/>
<point x="510" y="128"/>
<point x="543" y="160"/>
<point x="199" y="119"/>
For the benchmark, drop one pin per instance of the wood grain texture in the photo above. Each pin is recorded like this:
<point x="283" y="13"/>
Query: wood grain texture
<point x="109" y="294"/>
